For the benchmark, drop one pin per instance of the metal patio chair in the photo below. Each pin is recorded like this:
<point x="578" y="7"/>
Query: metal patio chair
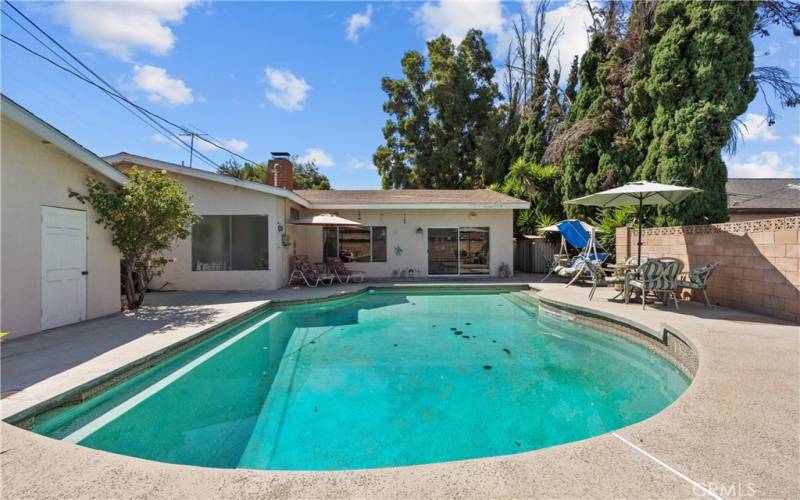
<point x="697" y="279"/>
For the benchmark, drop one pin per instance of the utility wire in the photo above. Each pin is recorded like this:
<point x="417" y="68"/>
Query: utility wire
<point x="160" y="129"/>
<point x="146" y="114"/>
<point x="113" y="91"/>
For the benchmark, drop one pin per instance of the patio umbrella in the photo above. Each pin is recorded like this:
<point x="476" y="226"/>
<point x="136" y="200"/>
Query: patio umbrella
<point x="637" y="194"/>
<point x="325" y="220"/>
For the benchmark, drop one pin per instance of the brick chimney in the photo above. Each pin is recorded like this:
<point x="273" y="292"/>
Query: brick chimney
<point x="279" y="169"/>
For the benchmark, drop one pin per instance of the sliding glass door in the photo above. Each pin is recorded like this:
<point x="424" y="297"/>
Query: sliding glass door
<point x="474" y="245"/>
<point x="453" y="250"/>
<point x="443" y="250"/>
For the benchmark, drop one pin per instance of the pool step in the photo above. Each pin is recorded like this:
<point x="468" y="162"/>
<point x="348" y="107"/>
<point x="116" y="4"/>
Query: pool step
<point x="524" y="301"/>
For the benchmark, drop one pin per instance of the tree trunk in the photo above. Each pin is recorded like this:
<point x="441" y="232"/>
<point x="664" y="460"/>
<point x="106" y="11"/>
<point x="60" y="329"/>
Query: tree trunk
<point x="130" y="287"/>
<point x="144" y="283"/>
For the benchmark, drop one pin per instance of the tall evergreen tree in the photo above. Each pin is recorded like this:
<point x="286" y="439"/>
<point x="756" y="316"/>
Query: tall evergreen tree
<point x="555" y="108"/>
<point x="444" y="127"/>
<point x="699" y="80"/>
<point x="589" y="129"/>
<point x="407" y="131"/>
<point x="531" y="136"/>
<point x="571" y="89"/>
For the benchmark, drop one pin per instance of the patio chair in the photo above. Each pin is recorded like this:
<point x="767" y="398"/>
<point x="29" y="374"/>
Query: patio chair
<point x="697" y="279"/>
<point x="599" y="278"/>
<point x="343" y="274"/>
<point x="304" y="270"/>
<point x="658" y="277"/>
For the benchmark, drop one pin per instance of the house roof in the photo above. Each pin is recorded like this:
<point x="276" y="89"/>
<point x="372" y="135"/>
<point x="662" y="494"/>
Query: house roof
<point x="144" y="161"/>
<point x="345" y="199"/>
<point x="763" y="195"/>
<point x="410" y="198"/>
<point x="50" y="134"/>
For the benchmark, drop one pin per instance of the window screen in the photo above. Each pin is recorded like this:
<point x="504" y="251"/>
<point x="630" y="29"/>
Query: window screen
<point x="230" y="243"/>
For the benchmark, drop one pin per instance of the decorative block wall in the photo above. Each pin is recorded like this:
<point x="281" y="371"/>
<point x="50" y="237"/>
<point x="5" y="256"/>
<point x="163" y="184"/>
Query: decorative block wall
<point x="759" y="260"/>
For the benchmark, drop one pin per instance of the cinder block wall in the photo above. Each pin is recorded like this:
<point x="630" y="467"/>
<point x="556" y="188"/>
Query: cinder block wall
<point x="760" y="260"/>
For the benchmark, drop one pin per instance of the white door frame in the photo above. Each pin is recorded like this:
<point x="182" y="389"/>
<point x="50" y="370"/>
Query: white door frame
<point x="80" y="312"/>
<point x="458" y="246"/>
<point x="458" y="250"/>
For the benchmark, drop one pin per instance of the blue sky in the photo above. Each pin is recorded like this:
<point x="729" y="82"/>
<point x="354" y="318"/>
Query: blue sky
<point x="302" y="77"/>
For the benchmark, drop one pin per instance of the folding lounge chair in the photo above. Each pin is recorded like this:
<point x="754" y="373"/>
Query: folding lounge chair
<point x="303" y="270"/>
<point x="343" y="274"/>
<point x="698" y="278"/>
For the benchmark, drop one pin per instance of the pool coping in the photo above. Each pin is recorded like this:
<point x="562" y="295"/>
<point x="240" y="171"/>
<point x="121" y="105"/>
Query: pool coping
<point x="729" y="428"/>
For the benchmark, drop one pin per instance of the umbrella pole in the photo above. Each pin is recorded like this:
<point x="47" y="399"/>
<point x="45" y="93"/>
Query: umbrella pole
<point x="639" y="243"/>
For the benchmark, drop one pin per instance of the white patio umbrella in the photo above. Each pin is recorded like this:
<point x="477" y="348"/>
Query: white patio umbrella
<point x="325" y="220"/>
<point x="637" y="194"/>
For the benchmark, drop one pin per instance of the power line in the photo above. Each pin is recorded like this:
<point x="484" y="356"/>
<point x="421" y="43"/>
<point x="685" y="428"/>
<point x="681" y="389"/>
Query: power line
<point x="150" y="123"/>
<point x="114" y="93"/>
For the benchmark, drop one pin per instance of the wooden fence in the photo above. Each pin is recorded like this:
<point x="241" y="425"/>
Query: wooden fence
<point x="530" y="255"/>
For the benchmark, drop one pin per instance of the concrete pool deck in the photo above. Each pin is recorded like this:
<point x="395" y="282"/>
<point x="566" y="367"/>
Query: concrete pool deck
<point x="734" y="432"/>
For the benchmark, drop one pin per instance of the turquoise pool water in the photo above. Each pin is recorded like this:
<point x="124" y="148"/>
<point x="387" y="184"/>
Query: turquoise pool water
<point x="381" y="379"/>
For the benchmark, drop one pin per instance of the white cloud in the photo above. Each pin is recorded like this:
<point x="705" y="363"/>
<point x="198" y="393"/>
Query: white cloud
<point x="455" y="18"/>
<point x="161" y="139"/>
<point x="763" y="164"/>
<point x="235" y="145"/>
<point x="121" y="28"/>
<point x="796" y="139"/>
<point x="318" y="156"/>
<point x="572" y="18"/>
<point x="286" y="90"/>
<point x="756" y="127"/>
<point x="160" y="87"/>
<point x="355" y="164"/>
<point x="358" y="22"/>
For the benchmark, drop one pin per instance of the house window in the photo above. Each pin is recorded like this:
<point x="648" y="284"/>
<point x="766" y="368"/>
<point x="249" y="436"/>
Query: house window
<point x="355" y="244"/>
<point x="230" y="243"/>
<point x="294" y="214"/>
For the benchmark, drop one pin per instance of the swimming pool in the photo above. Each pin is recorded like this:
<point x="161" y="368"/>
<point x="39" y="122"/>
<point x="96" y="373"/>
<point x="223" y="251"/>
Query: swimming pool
<point x="385" y="378"/>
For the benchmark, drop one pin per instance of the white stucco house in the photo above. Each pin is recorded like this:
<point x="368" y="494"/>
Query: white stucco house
<point x="56" y="265"/>
<point x="247" y="236"/>
<point x="59" y="267"/>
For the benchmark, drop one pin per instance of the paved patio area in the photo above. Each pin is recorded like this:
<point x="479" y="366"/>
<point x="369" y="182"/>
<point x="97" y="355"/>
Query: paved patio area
<point x="733" y="433"/>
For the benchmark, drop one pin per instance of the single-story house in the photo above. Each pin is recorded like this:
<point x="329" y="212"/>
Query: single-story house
<point x="56" y="265"/>
<point x="247" y="236"/>
<point x="750" y="199"/>
<point x="60" y="267"/>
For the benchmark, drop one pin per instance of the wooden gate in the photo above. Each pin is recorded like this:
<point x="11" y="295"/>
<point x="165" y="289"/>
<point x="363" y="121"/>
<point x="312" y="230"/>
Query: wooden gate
<point x="531" y="254"/>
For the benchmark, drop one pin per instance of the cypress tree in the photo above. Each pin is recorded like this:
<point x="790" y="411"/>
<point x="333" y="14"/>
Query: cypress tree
<point x="555" y="108"/>
<point x="588" y="127"/>
<point x="531" y="137"/>
<point x="700" y="80"/>
<point x="572" y="84"/>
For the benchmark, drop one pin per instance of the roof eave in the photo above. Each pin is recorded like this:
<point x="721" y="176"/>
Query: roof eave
<point x="414" y="206"/>
<point x="47" y="132"/>
<point x="209" y="176"/>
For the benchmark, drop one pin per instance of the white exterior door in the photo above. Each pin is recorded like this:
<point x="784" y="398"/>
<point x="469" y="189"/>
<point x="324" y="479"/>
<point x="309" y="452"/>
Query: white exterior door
<point x="63" y="266"/>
